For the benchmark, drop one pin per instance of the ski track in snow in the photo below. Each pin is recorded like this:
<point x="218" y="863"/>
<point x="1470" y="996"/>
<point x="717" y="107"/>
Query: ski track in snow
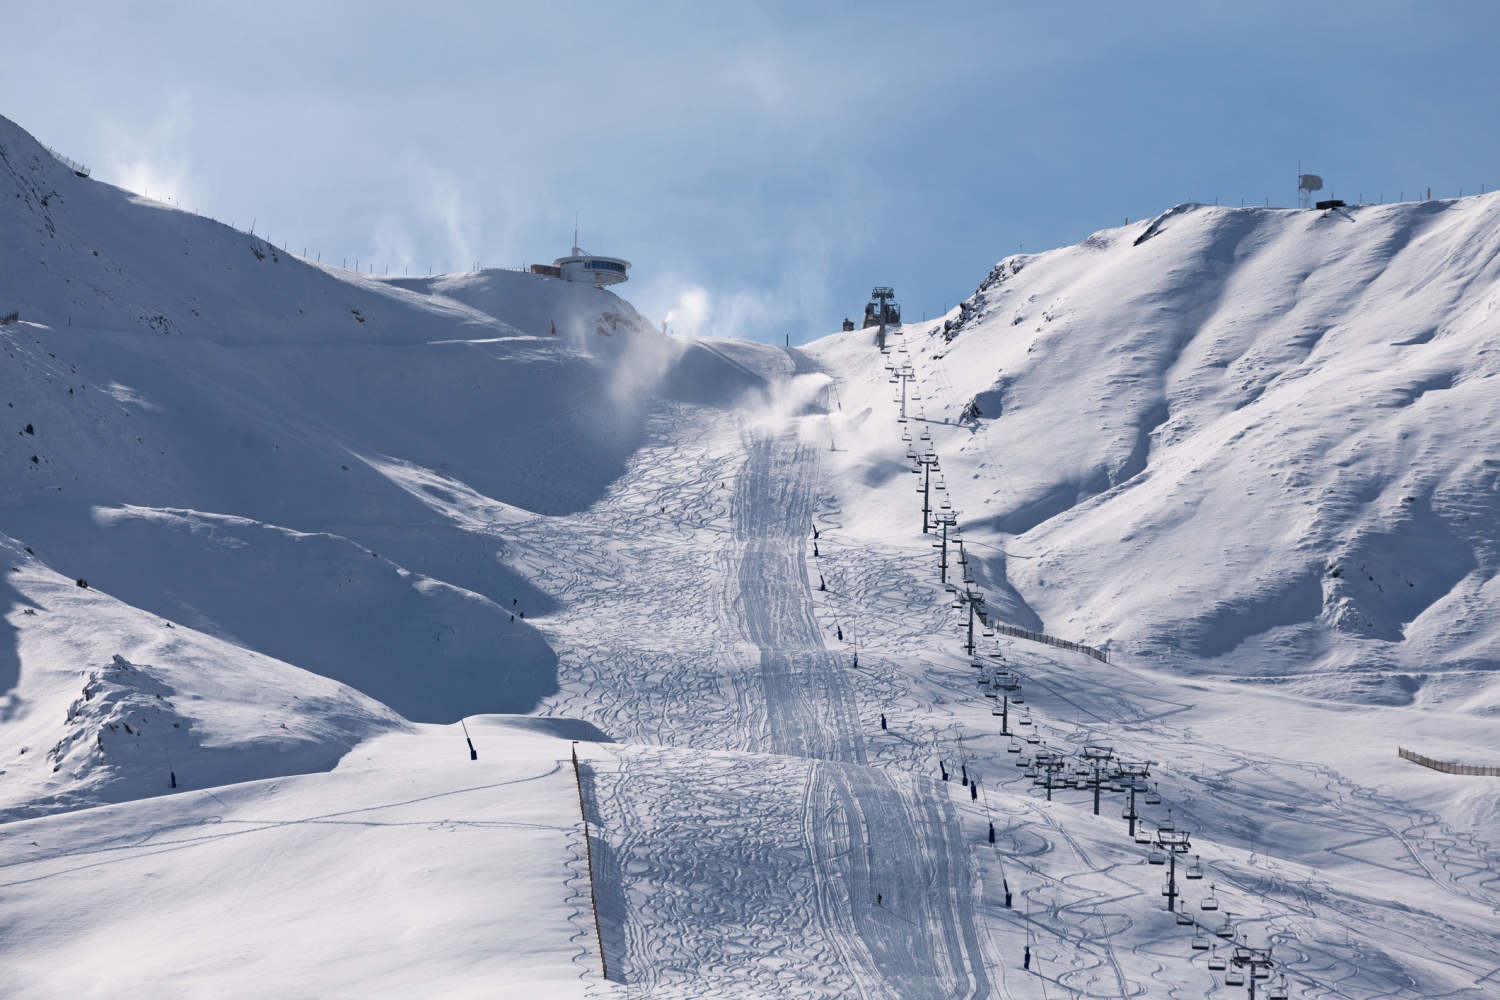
<point x="797" y="871"/>
<point x="705" y="544"/>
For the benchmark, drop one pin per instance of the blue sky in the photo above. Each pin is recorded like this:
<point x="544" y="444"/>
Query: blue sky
<point x="761" y="164"/>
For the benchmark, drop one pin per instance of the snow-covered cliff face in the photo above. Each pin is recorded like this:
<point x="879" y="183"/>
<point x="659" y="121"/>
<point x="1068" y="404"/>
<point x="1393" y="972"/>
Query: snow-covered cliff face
<point x="1255" y="441"/>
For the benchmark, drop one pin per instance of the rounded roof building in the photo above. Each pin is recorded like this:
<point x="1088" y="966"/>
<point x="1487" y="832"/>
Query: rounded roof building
<point x="600" y="271"/>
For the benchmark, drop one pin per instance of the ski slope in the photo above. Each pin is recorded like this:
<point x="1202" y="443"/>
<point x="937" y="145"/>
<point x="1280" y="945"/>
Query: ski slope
<point x="333" y="525"/>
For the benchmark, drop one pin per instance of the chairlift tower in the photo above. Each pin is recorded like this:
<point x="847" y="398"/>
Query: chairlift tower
<point x="974" y="599"/>
<point x="1007" y="683"/>
<point x="1096" y="757"/>
<point x="882" y="295"/>
<point x="1174" y="842"/>
<point x="925" y="464"/>
<point x="1256" y="961"/>
<point x="902" y="374"/>
<point x="945" y="521"/>
<point x="1135" y="775"/>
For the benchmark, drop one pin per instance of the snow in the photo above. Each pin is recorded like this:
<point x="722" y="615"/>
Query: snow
<point x="307" y="504"/>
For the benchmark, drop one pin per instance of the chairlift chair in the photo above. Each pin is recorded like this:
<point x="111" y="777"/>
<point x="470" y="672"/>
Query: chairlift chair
<point x="1033" y="738"/>
<point x="1200" y="941"/>
<point x="1183" y="919"/>
<point x="1026" y="719"/>
<point x="1259" y="972"/>
<point x="1166" y="825"/>
<point x="1156" y="857"/>
<point x="1014" y="746"/>
<point x="1216" y="962"/>
<point x="1226" y="929"/>
<point x="1153" y="797"/>
<point x="1141" y="836"/>
<point x="1017" y="699"/>
<point x="1196" y="871"/>
<point x="1278" y="989"/>
<point x="1209" y="902"/>
<point x="1234" y="977"/>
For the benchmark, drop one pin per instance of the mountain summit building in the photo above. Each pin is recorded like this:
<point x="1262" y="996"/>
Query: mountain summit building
<point x="582" y="266"/>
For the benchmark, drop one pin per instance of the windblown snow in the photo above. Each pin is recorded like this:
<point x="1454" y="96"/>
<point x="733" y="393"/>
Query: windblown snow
<point x="363" y="636"/>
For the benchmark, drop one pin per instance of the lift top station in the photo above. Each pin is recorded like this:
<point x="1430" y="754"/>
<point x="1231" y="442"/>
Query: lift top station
<point x="581" y="265"/>
<point x="883" y="312"/>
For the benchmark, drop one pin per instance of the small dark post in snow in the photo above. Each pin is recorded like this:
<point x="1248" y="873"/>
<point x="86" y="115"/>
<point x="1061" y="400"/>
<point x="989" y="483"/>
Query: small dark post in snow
<point x="992" y="831"/>
<point x="882" y="714"/>
<point x="974" y="789"/>
<point x="840" y="629"/>
<point x="943" y="768"/>
<point x="172" y="774"/>
<point x="473" y="754"/>
<point x="822" y="584"/>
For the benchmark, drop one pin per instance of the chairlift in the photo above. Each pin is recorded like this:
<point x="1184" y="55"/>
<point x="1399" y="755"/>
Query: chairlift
<point x="1014" y="746"/>
<point x="1166" y="825"/>
<point x="1141" y="836"/>
<point x="1026" y="719"/>
<point x="1017" y="699"/>
<point x="1278" y="989"/>
<point x="1033" y="738"/>
<point x="1183" y="919"/>
<point x="1023" y="761"/>
<point x="1209" y="902"/>
<point x="989" y="633"/>
<point x="1226" y="929"/>
<point x="1260" y="972"/>
<point x="1156" y="857"/>
<point x="1153" y="797"/>
<point x="1216" y="962"/>
<point x="1196" y="871"/>
<point x="1234" y="977"/>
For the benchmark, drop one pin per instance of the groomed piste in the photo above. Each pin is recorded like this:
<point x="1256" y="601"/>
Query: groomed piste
<point x="317" y="584"/>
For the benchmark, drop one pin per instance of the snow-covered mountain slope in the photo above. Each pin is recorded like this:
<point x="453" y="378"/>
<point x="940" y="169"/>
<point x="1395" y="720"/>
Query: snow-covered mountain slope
<point x="306" y="514"/>
<point x="409" y="871"/>
<point x="1251" y="441"/>
<point x="297" y="462"/>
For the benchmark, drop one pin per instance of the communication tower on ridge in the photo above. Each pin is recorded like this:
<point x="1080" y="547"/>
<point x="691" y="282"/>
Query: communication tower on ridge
<point x="1306" y="185"/>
